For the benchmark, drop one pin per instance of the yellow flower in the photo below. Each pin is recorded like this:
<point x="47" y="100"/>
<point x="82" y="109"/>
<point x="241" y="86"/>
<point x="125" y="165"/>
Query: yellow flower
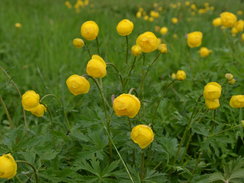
<point x="89" y="30"/>
<point x="212" y="104"/>
<point x="175" y="36"/>
<point x="142" y="135"/>
<point x="38" y="110"/>
<point x="125" y="27"/>
<point x="163" y="48"/>
<point x="126" y="105"/>
<point x="30" y="99"/>
<point x="18" y="25"/>
<point x="212" y="91"/>
<point x="138" y="14"/>
<point x="216" y="22"/>
<point x="229" y="76"/>
<point x="204" y="52"/>
<point x="8" y="166"/>
<point x="193" y="7"/>
<point x="228" y="19"/>
<point x="173" y="76"/>
<point x="68" y="4"/>
<point x="237" y="101"/>
<point x="187" y="3"/>
<point x="194" y="39"/>
<point x="146" y="17"/>
<point x="96" y="67"/>
<point x="174" y="20"/>
<point x="154" y="14"/>
<point x="136" y="50"/>
<point x="239" y="12"/>
<point x="242" y="36"/>
<point x="163" y="30"/>
<point x="151" y="19"/>
<point x="78" y="84"/>
<point x="232" y="81"/>
<point x="147" y="41"/>
<point x="157" y="28"/>
<point x="180" y="75"/>
<point x="239" y="26"/>
<point x="78" y="43"/>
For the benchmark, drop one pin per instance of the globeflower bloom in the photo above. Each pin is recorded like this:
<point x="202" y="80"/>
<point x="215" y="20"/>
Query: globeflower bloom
<point x="30" y="99"/>
<point x="164" y="30"/>
<point x="78" y="84"/>
<point x="163" y="48"/>
<point x="38" y="110"/>
<point x="239" y="26"/>
<point x="229" y="76"/>
<point x="154" y="14"/>
<point x="228" y="19"/>
<point x="125" y="27"/>
<point x="212" y="104"/>
<point x="204" y="52"/>
<point x="89" y="30"/>
<point x="212" y="91"/>
<point x="217" y="22"/>
<point x="96" y="67"/>
<point x="78" y="43"/>
<point x="174" y="20"/>
<point x="180" y="75"/>
<point x="8" y="166"/>
<point x="237" y="101"/>
<point x="148" y="42"/>
<point x="142" y="135"/>
<point x="18" y="25"/>
<point x="194" y="39"/>
<point x="126" y="105"/>
<point x="136" y="50"/>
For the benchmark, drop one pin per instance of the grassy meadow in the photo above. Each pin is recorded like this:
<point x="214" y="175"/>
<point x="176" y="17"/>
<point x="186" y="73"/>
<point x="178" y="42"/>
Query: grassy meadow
<point x="80" y="139"/>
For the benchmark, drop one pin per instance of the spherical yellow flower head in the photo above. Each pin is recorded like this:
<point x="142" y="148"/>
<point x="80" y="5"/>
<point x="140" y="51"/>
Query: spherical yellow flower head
<point x="217" y="22"/>
<point x="154" y="14"/>
<point x="138" y="14"/>
<point x="125" y="27"/>
<point x="151" y="19"/>
<point x="194" y="39"/>
<point x="212" y="104"/>
<point x="136" y="50"/>
<point x="163" y="48"/>
<point x="38" y="110"/>
<point x="204" y="52"/>
<point x="96" y="67"/>
<point x="173" y="76"/>
<point x="8" y="166"/>
<point x="30" y="99"/>
<point x="229" y="76"/>
<point x="232" y="81"/>
<point x="234" y="31"/>
<point x="148" y="42"/>
<point x="193" y="7"/>
<point x="89" y="30"/>
<point x="180" y="75"/>
<point x="174" y="20"/>
<point x="126" y="105"/>
<point x="187" y="3"/>
<point x="237" y="101"/>
<point x="228" y="19"/>
<point x="212" y="91"/>
<point x="239" y="26"/>
<point x="78" y="43"/>
<point x="18" y="25"/>
<point x="142" y="135"/>
<point x="164" y="30"/>
<point x="78" y="84"/>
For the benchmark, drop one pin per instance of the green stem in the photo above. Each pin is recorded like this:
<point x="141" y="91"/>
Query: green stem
<point x="127" y="49"/>
<point x="119" y="74"/>
<point x="142" y="169"/>
<point x="11" y="124"/>
<point x="17" y="89"/>
<point x="223" y="131"/>
<point x="98" y="49"/>
<point x="88" y="50"/>
<point x="29" y="164"/>
<point x="130" y="71"/>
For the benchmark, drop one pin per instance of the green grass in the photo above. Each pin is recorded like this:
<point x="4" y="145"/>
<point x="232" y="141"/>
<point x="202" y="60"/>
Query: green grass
<point x="40" y="56"/>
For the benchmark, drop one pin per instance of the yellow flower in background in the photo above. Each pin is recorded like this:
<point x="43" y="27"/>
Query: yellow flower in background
<point x="8" y="166"/>
<point x="68" y="4"/>
<point x="234" y="31"/>
<point x="96" y="67"/>
<point x="138" y="14"/>
<point x="147" y="41"/>
<point x="228" y="19"/>
<point x="174" y="20"/>
<point x="242" y="36"/>
<point x="157" y="28"/>
<point x="232" y="81"/>
<point x="164" y="30"/>
<point x="154" y="14"/>
<point x="180" y="75"/>
<point x="78" y="84"/>
<point x="175" y="36"/>
<point x="212" y="91"/>
<point x="239" y="12"/>
<point x="151" y="19"/>
<point x="229" y="76"/>
<point x="38" y="110"/>
<point x="136" y="50"/>
<point x="216" y="22"/>
<point x="146" y="17"/>
<point x="194" y="39"/>
<point x="30" y="99"/>
<point x="142" y="135"/>
<point x="78" y="43"/>
<point x="163" y="48"/>
<point x="173" y="76"/>
<point x="204" y="52"/>
<point x="212" y="104"/>
<point x="89" y="30"/>
<point x="239" y="26"/>
<point x="18" y="25"/>
<point x="237" y="101"/>
<point x="193" y="7"/>
<point x="187" y="3"/>
<point x="125" y="27"/>
<point x="126" y="105"/>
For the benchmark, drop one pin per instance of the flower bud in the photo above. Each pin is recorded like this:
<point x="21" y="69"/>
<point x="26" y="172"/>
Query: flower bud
<point x="232" y="81"/>
<point x="78" y="43"/>
<point x="212" y="104"/>
<point x="78" y="84"/>
<point x="142" y="135"/>
<point x="96" y="67"/>
<point x="136" y="50"/>
<point x="30" y="99"/>
<point x="89" y="30"/>
<point x="38" y="110"/>
<point x="180" y="75"/>
<point x="8" y="166"/>
<point x="126" y="105"/>
<point x="204" y="52"/>
<point x="174" y="20"/>
<point x="194" y="39"/>
<point x="18" y="25"/>
<point x="125" y="27"/>
<point x="163" y="48"/>
<point x="164" y="30"/>
<point x="229" y="76"/>
<point x="216" y="22"/>
<point x="237" y="101"/>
